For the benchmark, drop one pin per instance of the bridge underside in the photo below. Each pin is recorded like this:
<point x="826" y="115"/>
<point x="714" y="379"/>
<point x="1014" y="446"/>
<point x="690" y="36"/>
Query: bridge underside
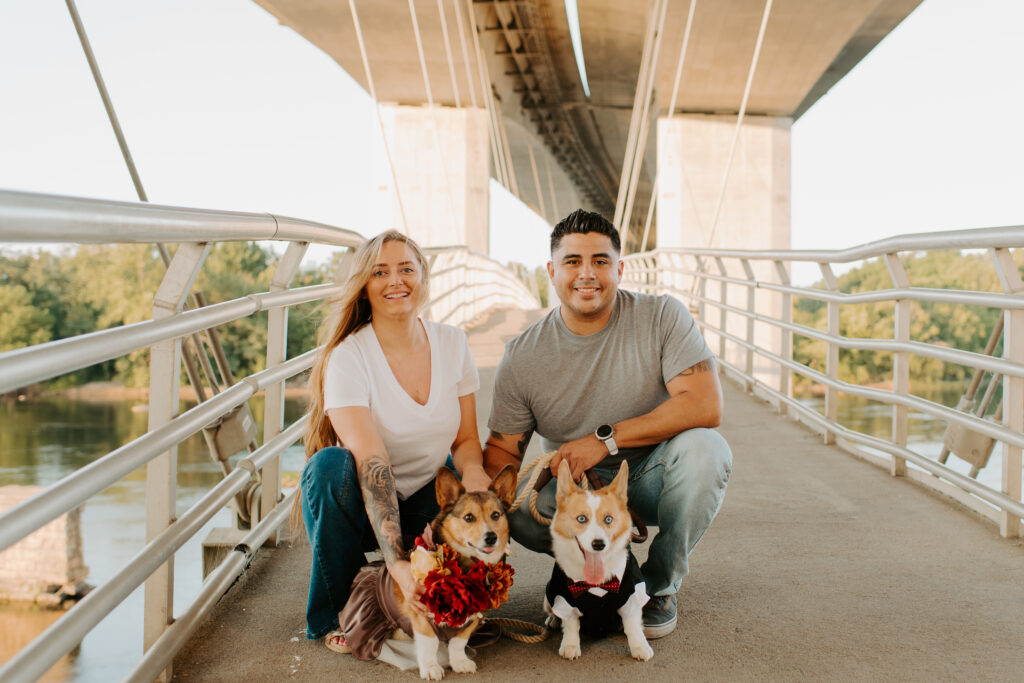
<point x="808" y="46"/>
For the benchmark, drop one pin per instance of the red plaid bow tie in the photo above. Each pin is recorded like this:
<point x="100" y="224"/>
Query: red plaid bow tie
<point x="579" y="587"/>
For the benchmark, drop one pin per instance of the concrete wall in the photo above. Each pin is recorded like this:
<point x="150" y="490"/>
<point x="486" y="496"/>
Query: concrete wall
<point x="444" y="190"/>
<point x="693" y="153"/>
<point x="48" y="561"/>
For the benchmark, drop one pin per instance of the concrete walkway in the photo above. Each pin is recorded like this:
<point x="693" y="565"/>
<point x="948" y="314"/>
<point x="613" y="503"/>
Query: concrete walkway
<point x="819" y="567"/>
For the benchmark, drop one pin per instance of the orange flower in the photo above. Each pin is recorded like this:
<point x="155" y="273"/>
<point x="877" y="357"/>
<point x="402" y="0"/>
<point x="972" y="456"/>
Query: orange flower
<point x="499" y="581"/>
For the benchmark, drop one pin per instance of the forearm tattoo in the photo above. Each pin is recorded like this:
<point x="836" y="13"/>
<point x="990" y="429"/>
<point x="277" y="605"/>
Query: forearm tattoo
<point x="706" y="365"/>
<point x="378" y="485"/>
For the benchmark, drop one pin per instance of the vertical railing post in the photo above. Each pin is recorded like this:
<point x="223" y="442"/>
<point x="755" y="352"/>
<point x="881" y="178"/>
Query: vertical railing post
<point x="1013" y="387"/>
<point x="273" y="406"/>
<point x="701" y="289"/>
<point x="162" y="471"/>
<point x="748" y="366"/>
<point x="831" y="353"/>
<point x="900" y="362"/>
<point x="786" y="336"/>
<point x="723" y="298"/>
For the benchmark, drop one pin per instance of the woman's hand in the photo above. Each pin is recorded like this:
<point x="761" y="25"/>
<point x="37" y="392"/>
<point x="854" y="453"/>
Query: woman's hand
<point x="474" y="478"/>
<point x="401" y="572"/>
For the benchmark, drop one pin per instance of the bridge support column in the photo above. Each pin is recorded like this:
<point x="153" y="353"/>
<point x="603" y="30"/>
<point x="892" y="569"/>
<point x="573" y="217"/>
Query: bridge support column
<point x="754" y="212"/>
<point x="441" y="160"/>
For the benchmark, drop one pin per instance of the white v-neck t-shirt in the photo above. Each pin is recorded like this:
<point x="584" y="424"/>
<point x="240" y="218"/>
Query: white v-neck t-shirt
<point x="418" y="438"/>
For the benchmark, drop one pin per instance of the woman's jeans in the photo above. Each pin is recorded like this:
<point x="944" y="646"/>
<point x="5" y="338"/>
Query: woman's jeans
<point x="340" y="533"/>
<point x="678" y="487"/>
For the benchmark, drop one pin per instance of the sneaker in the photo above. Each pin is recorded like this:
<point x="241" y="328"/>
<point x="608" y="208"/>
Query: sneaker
<point x="659" y="616"/>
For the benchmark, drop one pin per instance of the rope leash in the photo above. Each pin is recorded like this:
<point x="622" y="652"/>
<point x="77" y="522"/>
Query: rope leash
<point x="521" y="630"/>
<point x="537" y="468"/>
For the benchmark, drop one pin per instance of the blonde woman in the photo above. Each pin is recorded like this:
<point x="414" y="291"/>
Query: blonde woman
<point x="392" y="399"/>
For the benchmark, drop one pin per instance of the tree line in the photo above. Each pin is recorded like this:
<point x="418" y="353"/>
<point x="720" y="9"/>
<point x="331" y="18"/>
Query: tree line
<point x="46" y="296"/>
<point x="956" y="325"/>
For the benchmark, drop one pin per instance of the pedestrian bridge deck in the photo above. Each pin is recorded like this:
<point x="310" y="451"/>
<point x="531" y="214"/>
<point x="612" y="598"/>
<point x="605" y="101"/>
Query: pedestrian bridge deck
<point x="818" y="567"/>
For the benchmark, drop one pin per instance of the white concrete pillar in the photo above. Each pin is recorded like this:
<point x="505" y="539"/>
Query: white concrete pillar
<point x="442" y="177"/>
<point x="693" y="152"/>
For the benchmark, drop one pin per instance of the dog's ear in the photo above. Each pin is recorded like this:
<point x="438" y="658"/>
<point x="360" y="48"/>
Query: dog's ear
<point x="620" y="483"/>
<point x="448" y="487"/>
<point x="504" y="484"/>
<point x="565" y="482"/>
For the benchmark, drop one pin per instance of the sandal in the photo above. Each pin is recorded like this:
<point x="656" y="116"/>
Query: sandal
<point x="335" y="642"/>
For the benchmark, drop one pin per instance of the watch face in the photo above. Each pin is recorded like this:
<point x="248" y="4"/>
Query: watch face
<point x="604" y="431"/>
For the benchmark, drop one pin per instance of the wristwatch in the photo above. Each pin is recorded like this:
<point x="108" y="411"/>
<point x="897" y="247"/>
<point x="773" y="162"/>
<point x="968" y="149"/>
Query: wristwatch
<point x="606" y="433"/>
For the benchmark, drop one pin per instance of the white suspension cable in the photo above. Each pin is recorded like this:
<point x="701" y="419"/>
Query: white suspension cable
<point x="645" y="122"/>
<point x="448" y="52"/>
<point x="513" y="181"/>
<point x="433" y="112"/>
<point x="671" y="113"/>
<point x="465" y="51"/>
<point x="536" y="184"/>
<point x="634" y="120"/>
<point x="551" y="187"/>
<point x="376" y="107"/>
<point x="485" y="93"/>
<point x="739" y="119"/>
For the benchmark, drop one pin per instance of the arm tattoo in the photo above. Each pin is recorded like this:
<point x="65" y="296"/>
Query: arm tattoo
<point x="378" y="485"/>
<point x="524" y="442"/>
<point x="706" y="365"/>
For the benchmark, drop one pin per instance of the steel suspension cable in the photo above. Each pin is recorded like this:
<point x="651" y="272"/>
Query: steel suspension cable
<point x="739" y="119"/>
<point x="465" y="51"/>
<point x="433" y="112"/>
<point x="487" y="95"/>
<point x="671" y="113"/>
<point x="645" y="121"/>
<point x="376" y="107"/>
<point x="448" y="52"/>
<point x="634" y="121"/>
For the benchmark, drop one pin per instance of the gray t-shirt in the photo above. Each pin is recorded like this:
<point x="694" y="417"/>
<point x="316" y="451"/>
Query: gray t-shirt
<point x="563" y="385"/>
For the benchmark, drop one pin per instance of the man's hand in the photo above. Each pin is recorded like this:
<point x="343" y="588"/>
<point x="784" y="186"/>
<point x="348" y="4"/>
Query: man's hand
<point x="475" y="478"/>
<point x="581" y="454"/>
<point x="401" y="572"/>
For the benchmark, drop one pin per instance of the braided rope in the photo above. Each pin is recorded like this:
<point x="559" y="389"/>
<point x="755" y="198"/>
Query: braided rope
<point x="535" y="468"/>
<point x="541" y="632"/>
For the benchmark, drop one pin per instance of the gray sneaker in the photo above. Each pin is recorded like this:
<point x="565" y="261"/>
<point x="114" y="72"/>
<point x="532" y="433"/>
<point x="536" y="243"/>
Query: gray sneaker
<point x="659" y="616"/>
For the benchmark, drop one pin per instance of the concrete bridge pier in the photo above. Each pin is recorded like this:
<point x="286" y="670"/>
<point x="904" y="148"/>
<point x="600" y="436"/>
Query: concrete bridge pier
<point x="441" y="159"/>
<point x="753" y="212"/>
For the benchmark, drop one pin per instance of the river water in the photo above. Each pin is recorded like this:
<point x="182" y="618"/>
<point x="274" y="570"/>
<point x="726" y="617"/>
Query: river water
<point x="42" y="441"/>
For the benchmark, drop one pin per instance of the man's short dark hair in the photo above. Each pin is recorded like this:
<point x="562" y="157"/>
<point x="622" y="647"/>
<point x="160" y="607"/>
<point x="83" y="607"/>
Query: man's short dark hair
<point x="580" y="222"/>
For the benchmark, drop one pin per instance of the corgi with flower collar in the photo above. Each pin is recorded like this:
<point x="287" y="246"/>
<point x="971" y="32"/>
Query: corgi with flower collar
<point x="462" y="568"/>
<point x="596" y="583"/>
<point x="459" y="559"/>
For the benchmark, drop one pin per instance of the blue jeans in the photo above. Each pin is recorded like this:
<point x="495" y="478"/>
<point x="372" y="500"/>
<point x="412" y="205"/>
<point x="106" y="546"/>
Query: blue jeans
<point x="677" y="487"/>
<point x="340" y="533"/>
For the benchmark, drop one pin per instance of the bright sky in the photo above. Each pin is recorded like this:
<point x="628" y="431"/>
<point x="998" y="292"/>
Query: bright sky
<point x="224" y="108"/>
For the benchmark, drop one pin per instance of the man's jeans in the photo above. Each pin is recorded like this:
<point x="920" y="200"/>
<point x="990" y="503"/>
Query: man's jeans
<point x="340" y="533"/>
<point x="678" y="487"/>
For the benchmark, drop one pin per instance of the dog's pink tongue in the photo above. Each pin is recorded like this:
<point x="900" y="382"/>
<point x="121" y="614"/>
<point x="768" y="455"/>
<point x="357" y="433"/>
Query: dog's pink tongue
<point x="593" y="568"/>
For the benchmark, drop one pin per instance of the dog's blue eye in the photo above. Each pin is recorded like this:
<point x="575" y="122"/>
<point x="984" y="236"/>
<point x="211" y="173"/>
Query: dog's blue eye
<point x="469" y="518"/>
<point x="608" y="519"/>
<point x="582" y="519"/>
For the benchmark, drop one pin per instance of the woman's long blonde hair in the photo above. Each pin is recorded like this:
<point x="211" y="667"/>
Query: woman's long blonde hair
<point x="349" y="313"/>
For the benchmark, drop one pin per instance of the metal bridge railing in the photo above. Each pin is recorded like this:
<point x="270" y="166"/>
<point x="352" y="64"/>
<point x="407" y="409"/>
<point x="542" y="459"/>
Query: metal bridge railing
<point x="744" y="302"/>
<point x="466" y="286"/>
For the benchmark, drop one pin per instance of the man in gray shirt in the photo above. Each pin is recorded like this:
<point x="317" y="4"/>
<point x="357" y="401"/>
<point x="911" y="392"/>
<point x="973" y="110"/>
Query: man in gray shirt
<point x="612" y="375"/>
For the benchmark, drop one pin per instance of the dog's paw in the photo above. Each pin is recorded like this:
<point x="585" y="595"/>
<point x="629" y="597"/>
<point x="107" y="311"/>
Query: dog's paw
<point x="463" y="666"/>
<point x="432" y="672"/>
<point x="553" y="622"/>
<point x="641" y="651"/>
<point x="570" y="650"/>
